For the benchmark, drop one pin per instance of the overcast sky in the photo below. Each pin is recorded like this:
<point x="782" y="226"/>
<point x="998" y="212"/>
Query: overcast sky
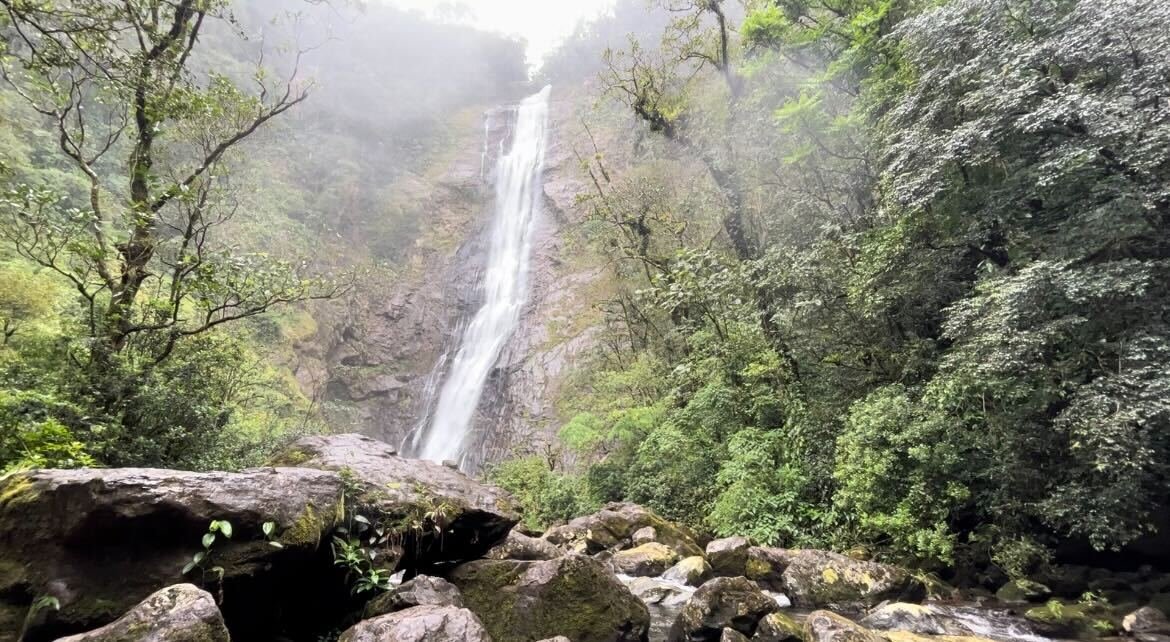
<point x="543" y="23"/>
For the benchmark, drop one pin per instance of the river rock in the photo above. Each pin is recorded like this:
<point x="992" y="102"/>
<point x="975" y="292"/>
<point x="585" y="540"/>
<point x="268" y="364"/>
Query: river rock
<point x="937" y="619"/>
<point x="420" y="624"/>
<point x="518" y="546"/>
<point x="728" y="556"/>
<point x="573" y="595"/>
<point x="181" y="613"/>
<point x="778" y="627"/>
<point x="1147" y="623"/>
<point x="824" y="626"/>
<point x="1071" y="619"/>
<point x="724" y="602"/>
<point x="1022" y="591"/>
<point x="420" y="591"/>
<point x="731" y="635"/>
<point x="692" y="571"/>
<point x="648" y="560"/>
<point x="654" y="591"/>
<point x="644" y="536"/>
<point x="614" y="526"/>
<point x="813" y="578"/>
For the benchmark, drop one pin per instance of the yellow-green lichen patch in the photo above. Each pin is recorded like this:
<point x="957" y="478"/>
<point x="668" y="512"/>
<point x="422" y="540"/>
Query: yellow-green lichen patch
<point x="17" y="489"/>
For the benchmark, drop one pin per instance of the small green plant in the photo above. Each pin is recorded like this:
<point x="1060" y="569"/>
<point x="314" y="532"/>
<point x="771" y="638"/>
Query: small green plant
<point x="270" y="534"/>
<point x="218" y="528"/>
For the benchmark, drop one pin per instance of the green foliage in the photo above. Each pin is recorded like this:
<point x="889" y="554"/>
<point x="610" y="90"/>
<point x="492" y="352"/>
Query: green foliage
<point x="546" y="496"/>
<point x="952" y="344"/>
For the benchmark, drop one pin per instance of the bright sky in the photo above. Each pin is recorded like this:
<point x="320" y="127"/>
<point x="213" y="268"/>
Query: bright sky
<point x="543" y="23"/>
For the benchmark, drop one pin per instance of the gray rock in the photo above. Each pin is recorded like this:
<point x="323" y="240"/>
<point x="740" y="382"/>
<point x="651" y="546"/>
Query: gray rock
<point x="823" y="626"/>
<point x="420" y="624"/>
<point x="573" y="595"/>
<point x="100" y="541"/>
<point x="518" y="546"/>
<point x="778" y="627"/>
<point x="731" y="635"/>
<point x="655" y="591"/>
<point x="724" y="602"/>
<point x="692" y="571"/>
<point x="181" y="613"/>
<point x="1146" y="621"/>
<point x="420" y="591"/>
<point x="644" y="536"/>
<point x="614" y="526"/>
<point x="728" y="556"/>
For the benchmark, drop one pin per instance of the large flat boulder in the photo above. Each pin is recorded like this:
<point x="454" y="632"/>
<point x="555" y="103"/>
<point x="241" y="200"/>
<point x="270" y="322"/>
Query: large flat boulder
<point x="462" y="518"/>
<point x="614" y="526"/>
<point x="100" y="541"/>
<point x="574" y="596"/>
<point x="180" y="613"/>
<point x="518" y="546"/>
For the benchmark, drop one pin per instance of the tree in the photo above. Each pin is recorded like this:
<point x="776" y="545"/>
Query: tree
<point x="117" y="80"/>
<point x="151" y="134"/>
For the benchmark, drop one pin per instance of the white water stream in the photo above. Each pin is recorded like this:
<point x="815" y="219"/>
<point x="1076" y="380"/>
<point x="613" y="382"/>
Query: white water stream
<point x="505" y="286"/>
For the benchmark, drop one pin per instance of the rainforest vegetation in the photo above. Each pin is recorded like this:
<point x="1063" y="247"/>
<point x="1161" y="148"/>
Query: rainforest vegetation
<point x="889" y="274"/>
<point x="879" y="274"/>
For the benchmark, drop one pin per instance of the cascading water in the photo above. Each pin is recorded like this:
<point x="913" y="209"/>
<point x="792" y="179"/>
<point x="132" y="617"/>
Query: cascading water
<point x="505" y="286"/>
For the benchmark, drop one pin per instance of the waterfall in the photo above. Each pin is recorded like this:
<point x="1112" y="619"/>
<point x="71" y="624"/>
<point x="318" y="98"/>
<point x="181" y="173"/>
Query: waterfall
<point x="505" y="284"/>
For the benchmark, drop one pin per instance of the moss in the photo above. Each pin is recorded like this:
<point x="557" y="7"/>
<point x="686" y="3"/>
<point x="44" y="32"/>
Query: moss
<point x="308" y="528"/>
<point x="17" y="489"/>
<point x="292" y="457"/>
<point x="576" y="603"/>
<point x="756" y="568"/>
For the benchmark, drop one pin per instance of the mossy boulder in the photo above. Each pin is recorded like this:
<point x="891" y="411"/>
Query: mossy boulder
<point x="728" y="556"/>
<point x="723" y="603"/>
<point x="766" y="566"/>
<point x="1022" y="591"/>
<point x="574" y="596"/>
<point x="692" y="571"/>
<point x="813" y="578"/>
<point x="1079" y="620"/>
<point x="442" y="514"/>
<point x="614" y="527"/>
<point x="181" y="613"/>
<point x="778" y="627"/>
<point x="420" y="624"/>
<point x="648" y="560"/>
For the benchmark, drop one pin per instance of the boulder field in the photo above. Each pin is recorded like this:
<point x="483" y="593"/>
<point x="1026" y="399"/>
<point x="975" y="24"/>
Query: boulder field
<point x="304" y="551"/>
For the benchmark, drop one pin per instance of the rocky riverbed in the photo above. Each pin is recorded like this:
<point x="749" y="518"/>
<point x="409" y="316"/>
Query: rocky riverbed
<point x="305" y="550"/>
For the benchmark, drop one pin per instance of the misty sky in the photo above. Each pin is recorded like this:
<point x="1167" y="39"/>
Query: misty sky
<point x="543" y="23"/>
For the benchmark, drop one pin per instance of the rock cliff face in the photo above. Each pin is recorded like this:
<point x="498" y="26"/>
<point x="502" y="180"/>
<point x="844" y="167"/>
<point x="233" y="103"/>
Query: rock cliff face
<point x="377" y="362"/>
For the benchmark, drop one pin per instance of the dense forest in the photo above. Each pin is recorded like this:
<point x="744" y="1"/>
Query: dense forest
<point x="885" y="277"/>
<point x="886" y="273"/>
